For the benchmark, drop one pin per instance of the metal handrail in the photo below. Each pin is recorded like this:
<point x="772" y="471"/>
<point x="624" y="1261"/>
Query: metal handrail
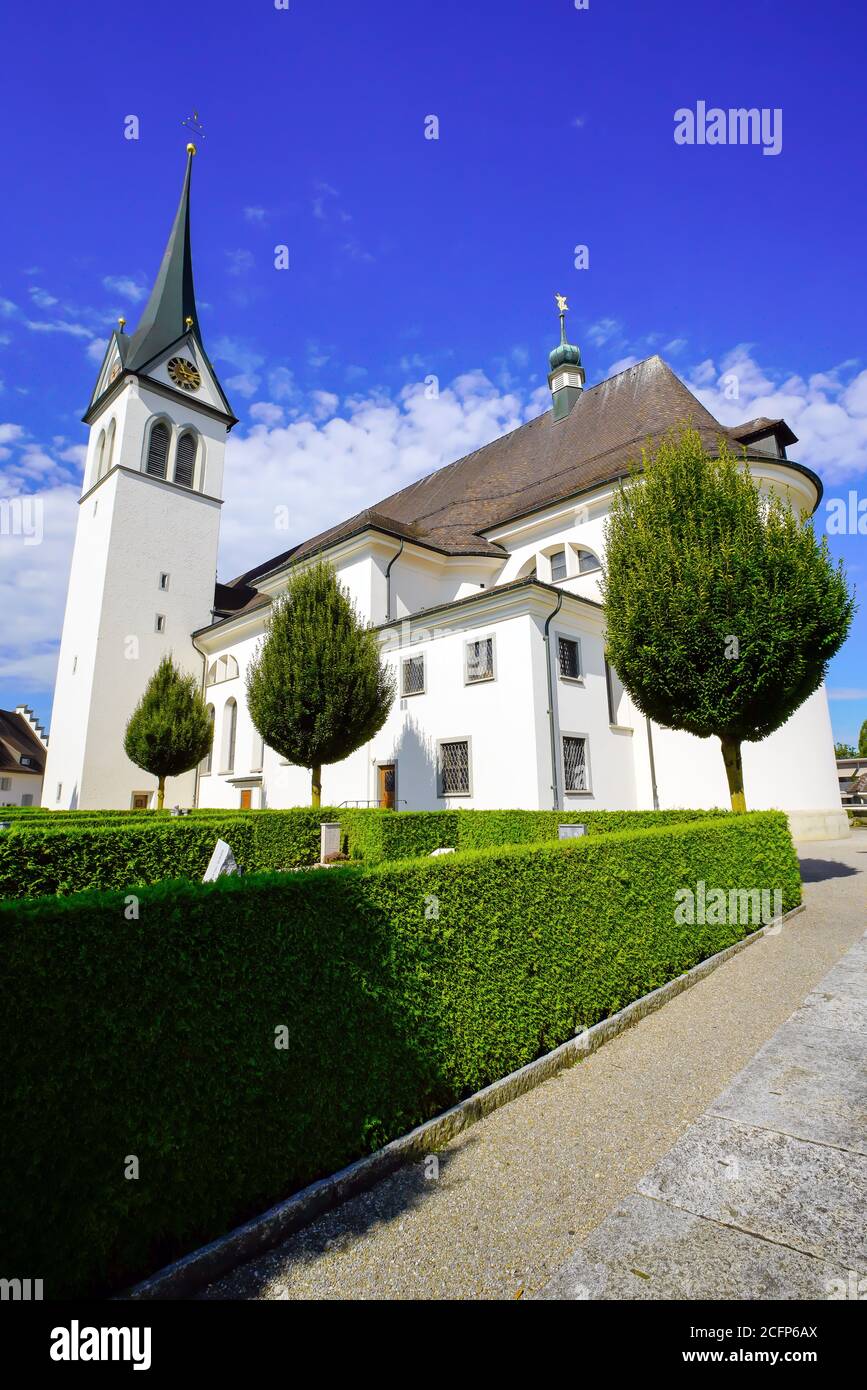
<point x="370" y="801"/>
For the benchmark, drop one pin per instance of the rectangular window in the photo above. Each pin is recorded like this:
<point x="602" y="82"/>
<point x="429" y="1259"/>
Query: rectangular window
<point x="569" y="657"/>
<point x="27" y="799"/>
<point x="160" y="624"/>
<point x="575" y="774"/>
<point x="5" y="784"/>
<point x="480" y="660"/>
<point x="412" y="676"/>
<point x="59" y="791"/>
<point x="26" y="761"/>
<point x="74" y="664"/>
<point x="454" y="767"/>
<point x="164" y="581"/>
<point x="587" y="562"/>
<point x="558" y="566"/>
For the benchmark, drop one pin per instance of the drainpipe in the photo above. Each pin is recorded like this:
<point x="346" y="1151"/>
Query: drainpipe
<point x="551" y="723"/>
<point x="203" y="688"/>
<point x="388" y="582"/>
<point x="652" y="764"/>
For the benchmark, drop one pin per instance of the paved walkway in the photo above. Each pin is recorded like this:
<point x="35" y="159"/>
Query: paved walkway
<point x="516" y="1194"/>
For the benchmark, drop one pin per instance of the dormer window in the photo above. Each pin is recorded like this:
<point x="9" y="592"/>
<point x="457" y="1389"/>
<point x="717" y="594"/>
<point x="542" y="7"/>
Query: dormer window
<point x="587" y="562"/>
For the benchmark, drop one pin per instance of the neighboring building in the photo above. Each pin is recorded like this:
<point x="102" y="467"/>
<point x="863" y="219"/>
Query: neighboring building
<point x="852" y="775"/>
<point x="23" y="747"/>
<point x="482" y="580"/>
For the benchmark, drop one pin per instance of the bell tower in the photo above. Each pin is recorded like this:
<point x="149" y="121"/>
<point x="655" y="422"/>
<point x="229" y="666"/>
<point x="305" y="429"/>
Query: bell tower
<point x="145" y="555"/>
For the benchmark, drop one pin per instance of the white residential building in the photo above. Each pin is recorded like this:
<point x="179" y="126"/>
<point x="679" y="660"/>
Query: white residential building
<point x="482" y="580"/>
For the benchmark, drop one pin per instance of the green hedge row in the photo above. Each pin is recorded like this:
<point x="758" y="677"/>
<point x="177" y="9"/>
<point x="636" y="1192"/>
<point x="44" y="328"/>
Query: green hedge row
<point x="112" y="854"/>
<point x="383" y="836"/>
<point x="401" y="988"/>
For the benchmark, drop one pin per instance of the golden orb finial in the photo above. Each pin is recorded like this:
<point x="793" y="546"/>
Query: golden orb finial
<point x="122" y="322"/>
<point x="188" y="321"/>
<point x="191" y="149"/>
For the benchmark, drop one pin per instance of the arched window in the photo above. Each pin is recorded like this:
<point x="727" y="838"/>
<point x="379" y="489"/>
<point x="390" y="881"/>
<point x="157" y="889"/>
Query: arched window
<point x="109" y="449"/>
<point x="185" y="464"/>
<point x="225" y="668"/>
<point x="587" y="562"/>
<point x="208" y="759"/>
<point x="99" y="456"/>
<point x="158" y="451"/>
<point x="230" y="727"/>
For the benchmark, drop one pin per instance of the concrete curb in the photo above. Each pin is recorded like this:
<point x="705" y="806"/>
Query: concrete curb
<point x="185" y="1276"/>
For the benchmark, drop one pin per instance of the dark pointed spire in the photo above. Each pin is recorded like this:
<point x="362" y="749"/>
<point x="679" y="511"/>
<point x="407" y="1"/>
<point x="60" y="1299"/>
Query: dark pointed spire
<point x="171" y="309"/>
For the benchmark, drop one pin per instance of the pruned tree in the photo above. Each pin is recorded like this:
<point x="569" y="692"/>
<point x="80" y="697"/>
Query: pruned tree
<point x="169" y="731"/>
<point x="316" y="687"/>
<point x="862" y="741"/>
<point x="722" y="608"/>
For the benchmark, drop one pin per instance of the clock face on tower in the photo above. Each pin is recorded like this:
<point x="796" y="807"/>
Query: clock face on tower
<point x="184" y="374"/>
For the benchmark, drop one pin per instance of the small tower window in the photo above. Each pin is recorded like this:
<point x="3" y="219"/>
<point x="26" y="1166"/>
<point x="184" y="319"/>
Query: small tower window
<point x="100" y="455"/>
<point x="108" y="458"/>
<point x="160" y="625"/>
<point x="158" y="451"/>
<point x="186" y="460"/>
<point x="164" y="581"/>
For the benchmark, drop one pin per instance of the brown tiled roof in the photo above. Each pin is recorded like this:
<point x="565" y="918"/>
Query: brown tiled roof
<point x="16" y="737"/>
<point x="750" y="429"/>
<point x="539" y="463"/>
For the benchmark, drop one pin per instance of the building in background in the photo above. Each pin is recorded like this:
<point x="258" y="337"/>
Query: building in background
<point x="23" y="748"/>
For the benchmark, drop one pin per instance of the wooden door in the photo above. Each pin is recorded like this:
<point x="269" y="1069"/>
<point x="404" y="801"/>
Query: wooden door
<point x="140" y="801"/>
<point x="387" y="785"/>
<point x="246" y="798"/>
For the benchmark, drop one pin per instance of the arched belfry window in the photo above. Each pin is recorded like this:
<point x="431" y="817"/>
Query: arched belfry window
<point x="208" y="760"/>
<point x="158" y="451"/>
<point x="185" y="464"/>
<point x="230" y="727"/>
<point x="100" y="455"/>
<point x="108" y="458"/>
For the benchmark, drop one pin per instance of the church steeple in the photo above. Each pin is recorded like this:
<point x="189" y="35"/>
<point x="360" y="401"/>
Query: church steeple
<point x="171" y="310"/>
<point x="566" y="377"/>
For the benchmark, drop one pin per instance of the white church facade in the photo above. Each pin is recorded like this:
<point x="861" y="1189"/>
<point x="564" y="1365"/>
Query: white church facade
<point x="482" y="581"/>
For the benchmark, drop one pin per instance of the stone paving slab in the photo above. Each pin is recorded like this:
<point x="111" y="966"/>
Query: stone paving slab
<point x="647" y="1250"/>
<point x="764" y="1195"/>
<point x="802" y="1195"/>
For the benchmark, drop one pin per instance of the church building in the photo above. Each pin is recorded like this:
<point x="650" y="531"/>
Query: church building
<point x="482" y="581"/>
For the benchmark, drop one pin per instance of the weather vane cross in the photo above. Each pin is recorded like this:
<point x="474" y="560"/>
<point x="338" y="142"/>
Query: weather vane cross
<point x="561" y="303"/>
<point x="194" y="124"/>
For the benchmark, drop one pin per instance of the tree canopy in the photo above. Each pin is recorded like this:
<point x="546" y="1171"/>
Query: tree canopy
<point x="169" y="730"/>
<point x="316" y="688"/>
<point x="722" y="608"/>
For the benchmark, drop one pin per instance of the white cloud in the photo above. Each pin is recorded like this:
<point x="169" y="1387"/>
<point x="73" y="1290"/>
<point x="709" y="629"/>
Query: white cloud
<point x="75" y="330"/>
<point x="829" y="418"/>
<point x="603" y="331"/>
<point x="41" y="298"/>
<point x="675" y="346"/>
<point x="244" y="384"/>
<point x="123" y="285"/>
<point x="240" y="261"/>
<point x="7" y="308"/>
<point x="254" y="214"/>
<point x="96" y="350"/>
<point x="620" y="365"/>
<point x="265" y="413"/>
<point x="33" y="581"/>
<point x="847" y="693"/>
<point x="10" y="434"/>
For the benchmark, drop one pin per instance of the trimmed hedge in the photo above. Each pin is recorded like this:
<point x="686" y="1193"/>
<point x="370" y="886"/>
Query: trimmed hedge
<point x="402" y="988"/>
<point x="382" y="836"/>
<point x="107" y="854"/>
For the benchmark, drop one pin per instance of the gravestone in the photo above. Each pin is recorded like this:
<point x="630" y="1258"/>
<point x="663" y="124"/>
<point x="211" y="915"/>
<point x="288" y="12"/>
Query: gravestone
<point x="329" y="839"/>
<point x="440" y="851"/>
<point x="571" y="832"/>
<point x="222" y="862"/>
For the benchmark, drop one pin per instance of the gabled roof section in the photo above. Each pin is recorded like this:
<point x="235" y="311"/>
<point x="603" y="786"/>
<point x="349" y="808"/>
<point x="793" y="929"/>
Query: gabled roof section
<point x="169" y="318"/>
<point x="540" y="463"/>
<point x="17" y="738"/>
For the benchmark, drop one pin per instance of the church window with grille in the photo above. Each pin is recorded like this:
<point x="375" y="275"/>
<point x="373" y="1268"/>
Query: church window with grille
<point x="412" y="676"/>
<point x="569" y="657"/>
<point x="480" y="661"/>
<point x="158" y="451"/>
<point x="454" y="767"/>
<point x="575" y="771"/>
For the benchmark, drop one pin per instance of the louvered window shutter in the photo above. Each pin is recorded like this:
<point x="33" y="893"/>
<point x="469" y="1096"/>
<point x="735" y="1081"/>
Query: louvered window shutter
<point x="158" y="451"/>
<point x="186" y="460"/>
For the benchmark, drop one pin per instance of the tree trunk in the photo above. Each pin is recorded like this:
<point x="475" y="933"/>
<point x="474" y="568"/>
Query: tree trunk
<point x="731" y="751"/>
<point x="316" y="789"/>
<point x="161" y="793"/>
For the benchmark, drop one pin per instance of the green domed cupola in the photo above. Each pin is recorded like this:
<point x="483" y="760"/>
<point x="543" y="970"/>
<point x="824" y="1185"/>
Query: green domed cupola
<point x="566" y="377"/>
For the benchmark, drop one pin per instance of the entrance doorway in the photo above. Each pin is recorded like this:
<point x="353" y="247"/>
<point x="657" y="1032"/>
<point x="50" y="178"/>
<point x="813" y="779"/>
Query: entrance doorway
<point x="140" y="801"/>
<point x="246" y="798"/>
<point x="387" y="774"/>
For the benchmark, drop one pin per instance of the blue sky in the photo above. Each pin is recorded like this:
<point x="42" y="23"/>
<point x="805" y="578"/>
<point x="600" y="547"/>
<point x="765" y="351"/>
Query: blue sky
<point x="411" y="257"/>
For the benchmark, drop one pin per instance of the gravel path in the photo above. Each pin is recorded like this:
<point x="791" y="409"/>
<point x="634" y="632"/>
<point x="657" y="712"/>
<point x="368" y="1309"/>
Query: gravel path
<point x="516" y="1193"/>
